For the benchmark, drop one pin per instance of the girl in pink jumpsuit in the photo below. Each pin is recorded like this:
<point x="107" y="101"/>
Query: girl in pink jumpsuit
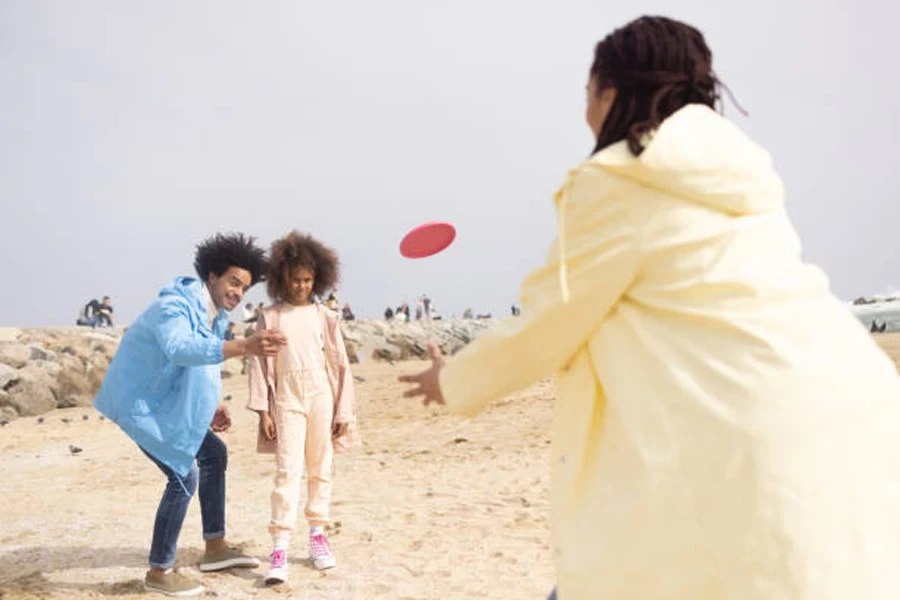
<point x="304" y="395"/>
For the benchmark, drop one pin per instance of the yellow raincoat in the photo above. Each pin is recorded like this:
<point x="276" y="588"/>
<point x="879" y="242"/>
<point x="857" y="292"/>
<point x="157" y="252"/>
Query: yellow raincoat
<point x="724" y="428"/>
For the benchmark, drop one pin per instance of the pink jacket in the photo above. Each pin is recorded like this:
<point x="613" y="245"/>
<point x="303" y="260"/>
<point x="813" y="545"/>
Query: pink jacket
<point x="263" y="387"/>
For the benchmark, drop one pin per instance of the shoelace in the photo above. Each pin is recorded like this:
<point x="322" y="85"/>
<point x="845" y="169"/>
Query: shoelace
<point x="319" y="545"/>
<point x="279" y="559"/>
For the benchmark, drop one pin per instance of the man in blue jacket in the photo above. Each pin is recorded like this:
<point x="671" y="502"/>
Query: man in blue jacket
<point x="163" y="388"/>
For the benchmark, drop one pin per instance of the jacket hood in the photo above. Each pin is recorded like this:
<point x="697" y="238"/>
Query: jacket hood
<point x="698" y="155"/>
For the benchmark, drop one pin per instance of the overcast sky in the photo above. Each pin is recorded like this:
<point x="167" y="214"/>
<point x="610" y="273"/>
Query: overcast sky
<point x="131" y="130"/>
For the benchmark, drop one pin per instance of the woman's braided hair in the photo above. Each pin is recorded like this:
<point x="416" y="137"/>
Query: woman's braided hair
<point x="657" y="65"/>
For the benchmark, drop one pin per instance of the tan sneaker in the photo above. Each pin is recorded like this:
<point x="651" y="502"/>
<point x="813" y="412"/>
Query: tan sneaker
<point x="173" y="584"/>
<point x="226" y="559"/>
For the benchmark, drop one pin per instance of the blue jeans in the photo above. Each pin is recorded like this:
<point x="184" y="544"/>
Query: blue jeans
<point x="552" y="595"/>
<point x="209" y="468"/>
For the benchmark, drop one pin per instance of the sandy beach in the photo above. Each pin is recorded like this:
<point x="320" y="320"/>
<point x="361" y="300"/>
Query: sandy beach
<point x="431" y="506"/>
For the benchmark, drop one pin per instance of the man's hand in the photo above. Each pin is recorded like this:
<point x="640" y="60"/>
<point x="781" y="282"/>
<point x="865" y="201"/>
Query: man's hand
<point x="429" y="386"/>
<point x="221" y="420"/>
<point x="267" y="426"/>
<point x="265" y="342"/>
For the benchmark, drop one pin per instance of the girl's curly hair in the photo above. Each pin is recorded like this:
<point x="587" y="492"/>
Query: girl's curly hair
<point x="298" y="250"/>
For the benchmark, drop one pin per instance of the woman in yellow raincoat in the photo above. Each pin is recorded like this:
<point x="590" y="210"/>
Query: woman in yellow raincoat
<point x="724" y="428"/>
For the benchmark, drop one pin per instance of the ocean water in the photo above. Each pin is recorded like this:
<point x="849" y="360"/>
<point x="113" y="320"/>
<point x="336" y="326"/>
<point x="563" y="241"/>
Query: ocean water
<point x="883" y="312"/>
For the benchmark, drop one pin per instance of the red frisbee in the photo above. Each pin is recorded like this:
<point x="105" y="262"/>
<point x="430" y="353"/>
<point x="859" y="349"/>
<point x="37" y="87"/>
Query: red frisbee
<point x="428" y="239"/>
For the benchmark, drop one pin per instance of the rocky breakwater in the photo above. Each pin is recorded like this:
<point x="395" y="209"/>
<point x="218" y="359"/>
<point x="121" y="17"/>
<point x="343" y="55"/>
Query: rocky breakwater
<point x="397" y="340"/>
<point x="46" y="368"/>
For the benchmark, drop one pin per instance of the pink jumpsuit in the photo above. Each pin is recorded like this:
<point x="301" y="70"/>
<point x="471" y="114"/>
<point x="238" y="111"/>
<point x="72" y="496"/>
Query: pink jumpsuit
<point x="303" y="412"/>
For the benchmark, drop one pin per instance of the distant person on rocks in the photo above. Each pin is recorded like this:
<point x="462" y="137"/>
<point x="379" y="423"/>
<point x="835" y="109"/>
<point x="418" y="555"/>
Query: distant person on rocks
<point x="514" y="310"/>
<point x="388" y="313"/>
<point x="420" y="309"/>
<point x="163" y="388"/>
<point x="88" y="316"/>
<point x="402" y="313"/>
<point x="426" y="305"/>
<point x="347" y="313"/>
<point x="467" y="314"/>
<point x="105" y="313"/>
<point x="332" y="301"/>
<point x="229" y="332"/>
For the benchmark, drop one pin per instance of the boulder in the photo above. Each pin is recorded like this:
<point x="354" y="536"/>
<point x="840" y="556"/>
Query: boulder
<point x="41" y="353"/>
<point x="31" y="394"/>
<point x="36" y="373"/>
<point x="14" y="355"/>
<point x="75" y="388"/>
<point x="7" y="413"/>
<point x="352" y="351"/>
<point x="95" y="369"/>
<point x="51" y="368"/>
<point x="7" y="374"/>
<point x="9" y="334"/>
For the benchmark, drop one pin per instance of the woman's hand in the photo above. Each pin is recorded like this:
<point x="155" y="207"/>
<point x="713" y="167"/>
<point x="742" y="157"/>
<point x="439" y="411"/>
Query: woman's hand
<point x="428" y="381"/>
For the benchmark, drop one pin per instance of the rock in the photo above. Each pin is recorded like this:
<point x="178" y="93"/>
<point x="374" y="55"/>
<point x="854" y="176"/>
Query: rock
<point x="31" y="394"/>
<point x="14" y="355"/>
<point x="7" y="412"/>
<point x="9" y="334"/>
<point x="232" y="367"/>
<point x="107" y="348"/>
<point x="95" y="370"/>
<point x="75" y="388"/>
<point x="69" y="363"/>
<point x="39" y="353"/>
<point x="352" y="348"/>
<point x="105" y="336"/>
<point x="31" y="371"/>
<point x="74" y="449"/>
<point x="7" y="374"/>
<point x="399" y="340"/>
<point x="51" y="368"/>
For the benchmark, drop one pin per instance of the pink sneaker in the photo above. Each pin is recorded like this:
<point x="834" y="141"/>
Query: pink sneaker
<point x="320" y="552"/>
<point x="278" y="569"/>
